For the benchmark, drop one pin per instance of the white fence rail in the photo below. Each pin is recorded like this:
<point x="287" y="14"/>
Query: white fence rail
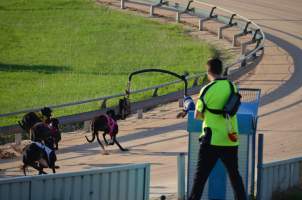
<point x="128" y="182"/>
<point x="276" y="176"/>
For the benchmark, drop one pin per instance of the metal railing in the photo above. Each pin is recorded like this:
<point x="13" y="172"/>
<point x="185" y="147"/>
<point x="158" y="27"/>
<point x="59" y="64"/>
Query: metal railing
<point x="104" y="98"/>
<point x="247" y="26"/>
<point x="257" y="30"/>
<point x="230" y="69"/>
<point x="128" y="182"/>
<point x="144" y="104"/>
<point x="277" y="176"/>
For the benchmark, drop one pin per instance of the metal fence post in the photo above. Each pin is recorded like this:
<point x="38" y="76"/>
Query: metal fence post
<point x="177" y="17"/>
<point x="122" y="4"/>
<point x="195" y="83"/>
<point x="181" y="176"/>
<point x="181" y="102"/>
<point x="254" y="157"/>
<point x="155" y="92"/>
<point x="87" y="126"/>
<point x="259" y="166"/>
<point x="243" y="49"/>
<point x="140" y="114"/>
<point x="147" y="182"/>
<point x="234" y="43"/>
<point x="243" y="63"/>
<point x="151" y="11"/>
<point x="200" y="24"/>
<point x="104" y="104"/>
<point x="18" y="138"/>
<point x="219" y="35"/>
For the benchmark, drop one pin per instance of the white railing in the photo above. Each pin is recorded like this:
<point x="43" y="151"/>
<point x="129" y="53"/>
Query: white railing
<point x="128" y="182"/>
<point x="277" y="176"/>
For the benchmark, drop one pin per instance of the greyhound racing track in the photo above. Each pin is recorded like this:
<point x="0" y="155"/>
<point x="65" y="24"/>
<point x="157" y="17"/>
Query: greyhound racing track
<point x="159" y="137"/>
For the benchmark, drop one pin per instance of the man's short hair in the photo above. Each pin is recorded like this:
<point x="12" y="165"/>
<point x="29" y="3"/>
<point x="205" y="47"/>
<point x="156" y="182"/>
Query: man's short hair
<point x="215" y="66"/>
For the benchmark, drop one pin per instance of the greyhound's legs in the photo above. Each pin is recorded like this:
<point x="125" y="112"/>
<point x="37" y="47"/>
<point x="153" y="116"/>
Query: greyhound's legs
<point x="104" y="137"/>
<point x="99" y="141"/>
<point x="43" y="163"/>
<point x="39" y="168"/>
<point x="118" y="144"/>
<point x="24" y="169"/>
<point x="93" y="137"/>
<point x="57" y="145"/>
<point x="42" y="172"/>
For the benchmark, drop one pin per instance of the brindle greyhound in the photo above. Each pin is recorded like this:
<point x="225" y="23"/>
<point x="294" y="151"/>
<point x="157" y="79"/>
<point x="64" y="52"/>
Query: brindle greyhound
<point x="106" y="123"/>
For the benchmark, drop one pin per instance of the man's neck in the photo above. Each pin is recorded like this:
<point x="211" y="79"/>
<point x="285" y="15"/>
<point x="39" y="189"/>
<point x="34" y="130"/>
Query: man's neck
<point x="214" y="77"/>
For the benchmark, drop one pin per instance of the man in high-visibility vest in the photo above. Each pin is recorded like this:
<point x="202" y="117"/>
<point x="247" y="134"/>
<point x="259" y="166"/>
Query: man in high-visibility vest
<point x="217" y="139"/>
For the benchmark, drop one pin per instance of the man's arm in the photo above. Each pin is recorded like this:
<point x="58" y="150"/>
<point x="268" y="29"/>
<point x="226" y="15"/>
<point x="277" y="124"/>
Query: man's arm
<point x="198" y="111"/>
<point x="198" y="115"/>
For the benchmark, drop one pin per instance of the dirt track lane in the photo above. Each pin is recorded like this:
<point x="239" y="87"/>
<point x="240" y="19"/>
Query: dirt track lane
<point x="149" y="140"/>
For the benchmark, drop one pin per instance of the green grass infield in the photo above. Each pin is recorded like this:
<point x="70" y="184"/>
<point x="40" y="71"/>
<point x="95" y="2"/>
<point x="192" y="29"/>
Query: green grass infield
<point x="57" y="51"/>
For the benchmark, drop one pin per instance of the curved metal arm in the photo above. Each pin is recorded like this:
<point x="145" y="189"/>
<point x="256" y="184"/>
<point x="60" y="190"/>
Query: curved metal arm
<point x="181" y="77"/>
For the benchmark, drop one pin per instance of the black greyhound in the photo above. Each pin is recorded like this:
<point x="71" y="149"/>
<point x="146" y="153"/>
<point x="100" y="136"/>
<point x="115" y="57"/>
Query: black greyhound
<point x="28" y="121"/>
<point x="55" y="131"/>
<point x="40" y="132"/>
<point x="39" y="157"/>
<point x="106" y="123"/>
<point x="53" y="124"/>
<point x="31" y="119"/>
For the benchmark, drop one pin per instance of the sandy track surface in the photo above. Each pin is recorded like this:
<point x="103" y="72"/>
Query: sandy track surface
<point x="159" y="137"/>
<point x="156" y="139"/>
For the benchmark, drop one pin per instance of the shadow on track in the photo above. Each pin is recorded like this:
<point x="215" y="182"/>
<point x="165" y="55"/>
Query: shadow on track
<point x="295" y="81"/>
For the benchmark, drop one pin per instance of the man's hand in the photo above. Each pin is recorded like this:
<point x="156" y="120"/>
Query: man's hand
<point x="198" y="115"/>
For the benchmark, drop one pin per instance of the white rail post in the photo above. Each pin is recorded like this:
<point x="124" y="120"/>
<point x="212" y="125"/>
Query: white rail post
<point x="177" y="17"/>
<point x="181" y="176"/>
<point x="140" y="114"/>
<point x="200" y="24"/>
<point x="219" y="33"/>
<point x="151" y="11"/>
<point x="234" y="43"/>
<point x="243" y="49"/>
<point x="122" y="4"/>
<point x="87" y="126"/>
<point x="181" y="102"/>
<point x="18" y="138"/>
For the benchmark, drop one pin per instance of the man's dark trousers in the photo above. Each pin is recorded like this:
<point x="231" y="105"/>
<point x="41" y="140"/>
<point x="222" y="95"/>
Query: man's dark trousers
<point x="208" y="156"/>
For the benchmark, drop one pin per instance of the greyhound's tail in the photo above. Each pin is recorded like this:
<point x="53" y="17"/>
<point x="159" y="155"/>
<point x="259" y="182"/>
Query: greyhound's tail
<point x="23" y="168"/>
<point x="92" y="139"/>
<point x="93" y="133"/>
